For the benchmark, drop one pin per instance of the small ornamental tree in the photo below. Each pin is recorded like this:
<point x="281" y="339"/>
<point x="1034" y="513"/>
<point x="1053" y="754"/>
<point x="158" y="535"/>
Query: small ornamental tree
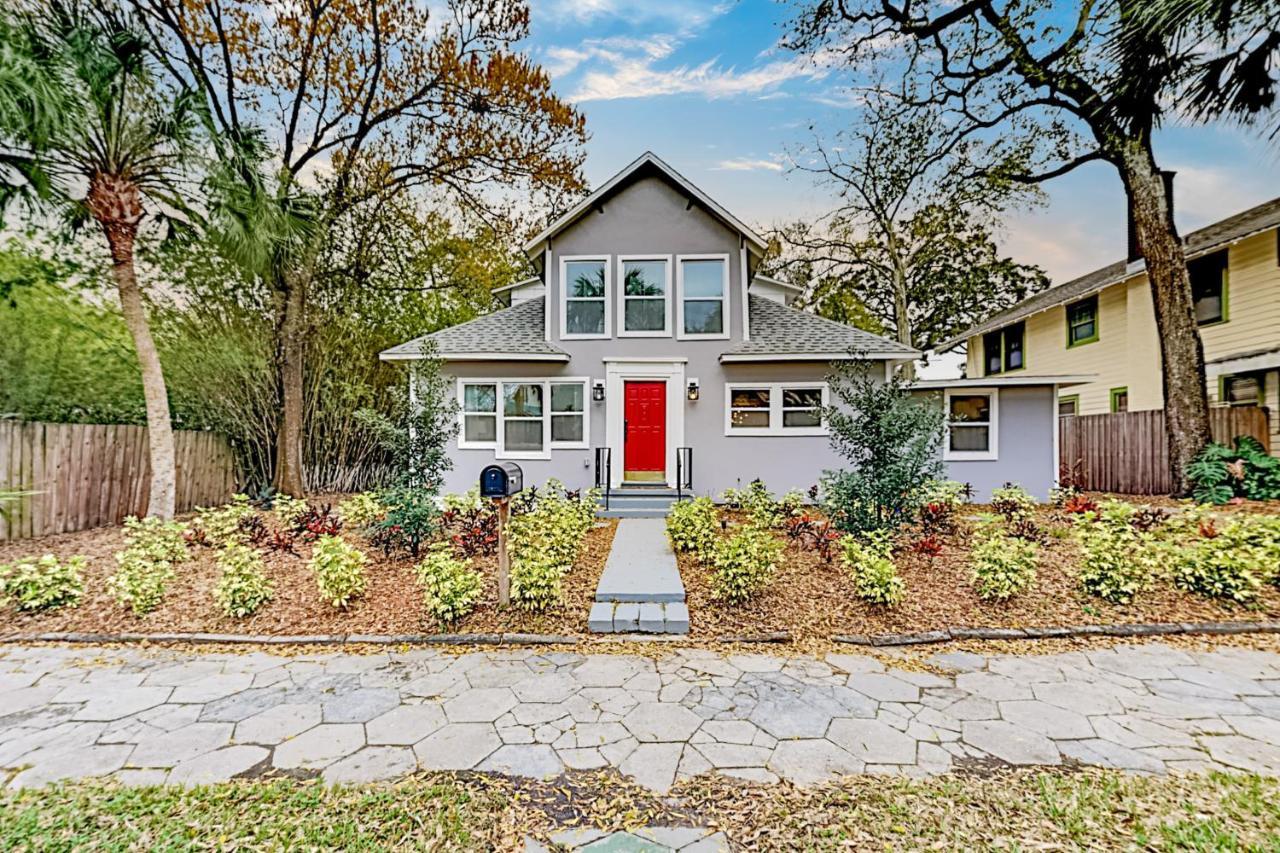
<point x="890" y="438"/>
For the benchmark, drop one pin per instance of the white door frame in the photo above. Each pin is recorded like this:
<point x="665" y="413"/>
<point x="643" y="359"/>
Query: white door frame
<point x="618" y="371"/>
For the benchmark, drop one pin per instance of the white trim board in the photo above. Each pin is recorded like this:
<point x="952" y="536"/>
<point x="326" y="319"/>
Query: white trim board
<point x="617" y="372"/>
<point x="726" y="320"/>
<point x="667" y="262"/>
<point x="775" y="427"/>
<point x="497" y="445"/>
<point x="993" y="426"/>
<point x="562" y="298"/>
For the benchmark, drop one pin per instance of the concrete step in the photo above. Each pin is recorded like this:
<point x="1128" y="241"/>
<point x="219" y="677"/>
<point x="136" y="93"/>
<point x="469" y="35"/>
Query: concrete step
<point x="643" y="617"/>
<point x="615" y="512"/>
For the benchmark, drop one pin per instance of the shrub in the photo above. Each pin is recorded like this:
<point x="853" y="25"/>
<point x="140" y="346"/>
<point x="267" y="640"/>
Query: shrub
<point x="544" y="538"/>
<point x="1079" y="504"/>
<point x="1231" y="561"/>
<point x="339" y="570"/>
<point x="1221" y="473"/>
<point x="1012" y="501"/>
<point x="890" y="438"/>
<point x="743" y="564"/>
<point x="694" y="526"/>
<point x="156" y="539"/>
<point x="757" y="502"/>
<point x="1002" y="565"/>
<point x="536" y="582"/>
<point x="1119" y="560"/>
<point x="450" y="589"/>
<point x="140" y="582"/>
<point x="286" y="510"/>
<point x="362" y="510"/>
<point x="314" y="522"/>
<point x="1063" y="494"/>
<point x="243" y="587"/>
<point x="221" y="525"/>
<point x="42" y="584"/>
<point x="951" y="493"/>
<point x="412" y="517"/>
<point x="468" y="500"/>
<point x="869" y="561"/>
<point x="282" y="541"/>
<point x="474" y="531"/>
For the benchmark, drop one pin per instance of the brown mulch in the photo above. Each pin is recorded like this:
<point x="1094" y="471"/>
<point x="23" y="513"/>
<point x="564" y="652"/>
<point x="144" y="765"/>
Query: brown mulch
<point x="811" y="598"/>
<point x="391" y="604"/>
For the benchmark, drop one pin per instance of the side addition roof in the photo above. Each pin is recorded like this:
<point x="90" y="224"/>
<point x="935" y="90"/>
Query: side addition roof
<point x="1208" y="239"/>
<point x="647" y="161"/>
<point x="781" y="333"/>
<point x="512" y="334"/>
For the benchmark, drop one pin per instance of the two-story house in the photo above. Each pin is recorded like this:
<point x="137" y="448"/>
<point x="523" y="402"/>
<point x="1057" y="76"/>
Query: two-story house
<point x="1103" y="324"/>
<point x="647" y="334"/>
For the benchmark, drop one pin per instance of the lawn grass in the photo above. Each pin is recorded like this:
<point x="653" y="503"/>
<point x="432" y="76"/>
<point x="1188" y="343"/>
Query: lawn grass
<point x="1010" y="810"/>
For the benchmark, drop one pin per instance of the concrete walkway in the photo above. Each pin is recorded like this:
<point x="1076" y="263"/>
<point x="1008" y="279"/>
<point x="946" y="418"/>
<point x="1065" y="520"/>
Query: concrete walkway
<point x="640" y="588"/>
<point x="151" y="716"/>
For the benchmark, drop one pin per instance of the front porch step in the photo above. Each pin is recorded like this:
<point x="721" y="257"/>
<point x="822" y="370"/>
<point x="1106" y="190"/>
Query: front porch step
<point x="638" y="503"/>
<point x="639" y="617"/>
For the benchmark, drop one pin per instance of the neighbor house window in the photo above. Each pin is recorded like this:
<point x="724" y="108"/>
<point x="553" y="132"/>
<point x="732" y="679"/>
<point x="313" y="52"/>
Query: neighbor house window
<point x="1241" y="390"/>
<point x="585" y="307"/>
<point x="645" y="286"/>
<point x="1003" y="349"/>
<point x="1069" y="405"/>
<point x="512" y="416"/>
<point x="1209" y="287"/>
<point x="1119" y="399"/>
<point x="703" y="284"/>
<point x="776" y="408"/>
<point x="971" y="424"/>
<point x="1082" y="321"/>
<point x="479" y="415"/>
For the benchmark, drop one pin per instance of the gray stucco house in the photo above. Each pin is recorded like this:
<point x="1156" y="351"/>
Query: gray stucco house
<point x="647" y="332"/>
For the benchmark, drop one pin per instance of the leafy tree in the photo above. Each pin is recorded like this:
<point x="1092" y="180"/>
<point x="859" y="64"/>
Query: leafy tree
<point x="95" y="137"/>
<point x="890" y="437"/>
<point x="911" y="236"/>
<point x="1041" y="72"/>
<point x="361" y="99"/>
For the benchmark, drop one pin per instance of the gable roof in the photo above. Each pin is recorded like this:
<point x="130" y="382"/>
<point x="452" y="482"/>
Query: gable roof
<point x="646" y="163"/>
<point x="1208" y="239"/>
<point x="782" y="333"/>
<point x="511" y="334"/>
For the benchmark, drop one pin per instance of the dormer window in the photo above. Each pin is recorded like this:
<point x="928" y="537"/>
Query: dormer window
<point x="584" y="306"/>
<point x="645" y="288"/>
<point x="703" y="296"/>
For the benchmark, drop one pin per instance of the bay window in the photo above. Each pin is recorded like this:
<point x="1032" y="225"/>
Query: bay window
<point x="523" y="418"/>
<point x="971" y="424"/>
<point x="703" y="285"/>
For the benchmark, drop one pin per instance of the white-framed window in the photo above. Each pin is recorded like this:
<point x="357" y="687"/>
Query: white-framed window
<point x="775" y="408"/>
<point x="523" y="418"/>
<point x="644" y="306"/>
<point x="585" y="297"/>
<point x="972" y="418"/>
<point x="702" y="296"/>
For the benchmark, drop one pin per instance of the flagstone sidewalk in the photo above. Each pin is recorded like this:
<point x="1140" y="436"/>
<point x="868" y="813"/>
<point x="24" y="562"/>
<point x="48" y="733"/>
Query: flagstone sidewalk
<point x="156" y="715"/>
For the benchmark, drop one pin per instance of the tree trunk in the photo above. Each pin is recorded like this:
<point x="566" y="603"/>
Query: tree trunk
<point x="116" y="204"/>
<point x="1186" y="403"/>
<point x="901" y="309"/>
<point x="290" y="348"/>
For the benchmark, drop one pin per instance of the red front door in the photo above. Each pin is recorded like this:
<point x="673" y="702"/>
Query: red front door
<point x="645" y="429"/>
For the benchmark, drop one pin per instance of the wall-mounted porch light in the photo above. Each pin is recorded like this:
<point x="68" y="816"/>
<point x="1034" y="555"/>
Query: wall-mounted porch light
<point x="694" y="391"/>
<point x="597" y="392"/>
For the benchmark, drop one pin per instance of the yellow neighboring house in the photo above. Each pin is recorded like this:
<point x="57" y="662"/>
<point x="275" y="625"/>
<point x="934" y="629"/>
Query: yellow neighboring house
<point x="1103" y="324"/>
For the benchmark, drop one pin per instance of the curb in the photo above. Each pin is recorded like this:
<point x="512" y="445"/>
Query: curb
<point x="1135" y="629"/>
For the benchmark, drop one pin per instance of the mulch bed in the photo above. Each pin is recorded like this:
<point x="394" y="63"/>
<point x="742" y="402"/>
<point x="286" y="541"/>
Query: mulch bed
<point x="810" y="598"/>
<point x="391" y="604"/>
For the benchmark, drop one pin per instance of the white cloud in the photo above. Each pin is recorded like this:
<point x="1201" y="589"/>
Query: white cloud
<point x="746" y="164"/>
<point x="689" y="14"/>
<point x="637" y="77"/>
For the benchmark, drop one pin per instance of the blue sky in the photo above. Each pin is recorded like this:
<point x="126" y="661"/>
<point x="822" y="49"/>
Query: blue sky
<point x="704" y="85"/>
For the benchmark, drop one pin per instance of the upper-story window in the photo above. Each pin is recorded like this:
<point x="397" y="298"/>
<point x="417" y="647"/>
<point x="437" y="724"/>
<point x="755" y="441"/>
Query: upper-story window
<point x="585" y="298"/>
<point x="1209" y="287"/>
<point x="702" y="296"/>
<point x="1082" y="321"/>
<point x="1003" y="349"/>
<point x="646" y="286"/>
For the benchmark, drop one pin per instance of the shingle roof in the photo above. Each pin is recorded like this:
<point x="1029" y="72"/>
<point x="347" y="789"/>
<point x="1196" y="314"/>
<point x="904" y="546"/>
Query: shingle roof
<point x="1251" y="221"/>
<point x="512" y="333"/>
<point x="778" y="330"/>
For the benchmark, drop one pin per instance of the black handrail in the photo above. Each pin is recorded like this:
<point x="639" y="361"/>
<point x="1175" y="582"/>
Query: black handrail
<point x="604" y="473"/>
<point x="684" y="471"/>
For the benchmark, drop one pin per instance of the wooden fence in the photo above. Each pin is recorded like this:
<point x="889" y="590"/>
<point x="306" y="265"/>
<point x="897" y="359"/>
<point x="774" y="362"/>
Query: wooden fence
<point x="90" y="475"/>
<point x="1127" y="452"/>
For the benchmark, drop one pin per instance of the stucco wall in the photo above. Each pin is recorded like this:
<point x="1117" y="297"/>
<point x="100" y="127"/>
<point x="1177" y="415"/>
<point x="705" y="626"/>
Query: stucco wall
<point x="1026" y="453"/>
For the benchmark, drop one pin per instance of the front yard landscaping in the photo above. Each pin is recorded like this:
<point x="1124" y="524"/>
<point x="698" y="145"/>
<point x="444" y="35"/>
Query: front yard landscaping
<point x="1082" y="810"/>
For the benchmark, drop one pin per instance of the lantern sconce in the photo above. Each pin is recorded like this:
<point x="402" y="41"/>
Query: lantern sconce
<point x="694" y="391"/>
<point x="597" y="392"/>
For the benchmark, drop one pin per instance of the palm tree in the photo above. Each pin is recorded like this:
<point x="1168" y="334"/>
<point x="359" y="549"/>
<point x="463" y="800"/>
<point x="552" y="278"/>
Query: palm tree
<point x="85" y="130"/>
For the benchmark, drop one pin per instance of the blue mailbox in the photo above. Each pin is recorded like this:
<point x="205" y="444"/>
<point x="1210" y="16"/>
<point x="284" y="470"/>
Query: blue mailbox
<point x="501" y="480"/>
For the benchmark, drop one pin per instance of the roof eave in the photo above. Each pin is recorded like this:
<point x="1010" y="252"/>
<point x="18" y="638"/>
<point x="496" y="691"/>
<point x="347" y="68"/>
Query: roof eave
<point x="743" y="357"/>
<point x="477" y="356"/>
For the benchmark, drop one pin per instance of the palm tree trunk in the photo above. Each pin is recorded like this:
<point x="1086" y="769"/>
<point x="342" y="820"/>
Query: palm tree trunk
<point x="116" y="205"/>
<point x="1186" y="403"/>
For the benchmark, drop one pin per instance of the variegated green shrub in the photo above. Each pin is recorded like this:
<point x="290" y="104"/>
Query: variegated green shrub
<point x="42" y="584"/>
<point x="244" y="586"/>
<point x="694" y="527"/>
<point x="450" y="587"/>
<point x="338" y="569"/>
<point x="868" y="558"/>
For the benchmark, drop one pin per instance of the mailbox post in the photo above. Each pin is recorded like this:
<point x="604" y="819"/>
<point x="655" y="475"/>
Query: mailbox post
<point x="499" y="482"/>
